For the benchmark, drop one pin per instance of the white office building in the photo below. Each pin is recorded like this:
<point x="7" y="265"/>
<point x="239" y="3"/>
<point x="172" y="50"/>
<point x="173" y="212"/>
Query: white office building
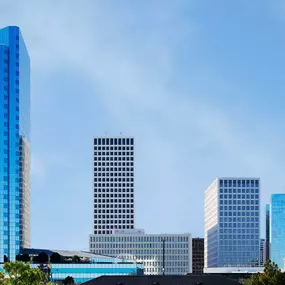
<point x="113" y="184"/>
<point x="148" y="248"/>
<point x="232" y="223"/>
<point x="114" y="232"/>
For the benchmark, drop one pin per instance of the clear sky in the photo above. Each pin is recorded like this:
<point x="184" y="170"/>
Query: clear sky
<point x="199" y="83"/>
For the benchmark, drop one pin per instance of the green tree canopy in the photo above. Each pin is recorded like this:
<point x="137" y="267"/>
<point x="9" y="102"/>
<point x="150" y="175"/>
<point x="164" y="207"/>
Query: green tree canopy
<point x="271" y="276"/>
<point x="23" y="257"/>
<point x="76" y="259"/>
<point x="55" y="258"/>
<point x="20" y="273"/>
<point x="2" y="278"/>
<point x="42" y="258"/>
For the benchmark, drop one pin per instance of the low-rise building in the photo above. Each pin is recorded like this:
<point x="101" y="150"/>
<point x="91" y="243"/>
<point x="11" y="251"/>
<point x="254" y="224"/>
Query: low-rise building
<point x="170" y="254"/>
<point x="80" y="265"/>
<point x="160" y="280"/>
<point x="233" y="270"/>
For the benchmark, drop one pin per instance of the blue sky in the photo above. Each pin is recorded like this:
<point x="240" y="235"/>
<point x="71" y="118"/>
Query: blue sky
<point x="198" y="83"/>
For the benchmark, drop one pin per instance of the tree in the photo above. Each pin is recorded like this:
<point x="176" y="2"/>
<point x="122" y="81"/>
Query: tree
<point x="271" y="276"/>
<point x="2" y="278"/>
<point x="76" y="259"/>
<point x="23" y="257"/>
<point x="55" y="258"/>
<point x="42" y="258"/>
<point x="68" y="281"/>
<point x="21" y="273"/>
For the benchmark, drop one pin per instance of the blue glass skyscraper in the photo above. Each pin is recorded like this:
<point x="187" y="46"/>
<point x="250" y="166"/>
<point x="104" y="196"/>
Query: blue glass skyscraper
<point x="277" y="236"/>
<point x="14" y="143"/>
<point x="267" y="232"/>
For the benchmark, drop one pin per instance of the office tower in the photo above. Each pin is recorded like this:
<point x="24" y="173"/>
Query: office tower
<point x="232" y="223"/>
<point x="114" y="209"/>
<point x="148" y="249"/>
<point x="14" y="143"/>
<point x="197" y="255"/>
<point x="262" y="252"/>
<point x="113" y="184"/>
<point x="277" y="228"/>
<point x="267" y="251"/>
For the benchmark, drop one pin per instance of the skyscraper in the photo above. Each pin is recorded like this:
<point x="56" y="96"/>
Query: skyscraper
<point x="277" y="228"/>
<point x="14" y="143"/>
<point x="232" y="223"/>
<point x="114" y="214"/>
<point x="262" y="252"/>
<point x="267" y="250"/>
<point x="113" y="184"/>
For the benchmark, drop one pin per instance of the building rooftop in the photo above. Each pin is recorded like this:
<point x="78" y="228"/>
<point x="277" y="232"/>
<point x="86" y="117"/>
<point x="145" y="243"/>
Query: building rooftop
<point x="65" y="253"/>
<point x="162" y="280"/>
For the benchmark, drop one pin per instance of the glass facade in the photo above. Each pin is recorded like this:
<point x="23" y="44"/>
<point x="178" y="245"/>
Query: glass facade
<point x="262" y="252"/>
<point x="267" y="250"/>
<point x="85" y="272"/>
<point x="232" y="223"/>
<point x="14" y="142"/>
<point x="277" y="236"/>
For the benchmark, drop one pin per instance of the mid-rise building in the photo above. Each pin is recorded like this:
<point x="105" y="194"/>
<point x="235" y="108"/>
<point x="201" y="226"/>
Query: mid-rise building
<point x="232" y="223"/>
<point x="113" y="184"/>
<point x="267" y="251"/>
<point x="262" y="252"/>
<point x="197" y="255"/>
<point x="167" y="253"/>
<point x="14" y="143"/>
<point x="277" y="228"/>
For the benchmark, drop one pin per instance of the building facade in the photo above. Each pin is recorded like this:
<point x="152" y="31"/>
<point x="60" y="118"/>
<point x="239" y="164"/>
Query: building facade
<point x="85" y="272"/>
<point x="14" y="143"/>
<point x="262" y="252"/>
<point x="113" y="184"/>
<point x="149" y="249"/>
<point x="267" y="251"/>
<point x="83" y="268"/>
<point x="232" y="224"/>
<point x="234" y="272"/>
<point x="197" y="255"/>
<point x="277" y="227"/>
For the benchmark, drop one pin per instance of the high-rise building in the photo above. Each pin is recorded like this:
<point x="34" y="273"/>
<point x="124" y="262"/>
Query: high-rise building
<point x="197" y="255"/>
<point x="267" y="250"/>
<point x="232" y="223"/>
<point x="277" y="228"/>
<point x="14" y="143"/>
<point x="114" y="206"/>
<point x="114" y="214"/>
<point x="262" y="252"/>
